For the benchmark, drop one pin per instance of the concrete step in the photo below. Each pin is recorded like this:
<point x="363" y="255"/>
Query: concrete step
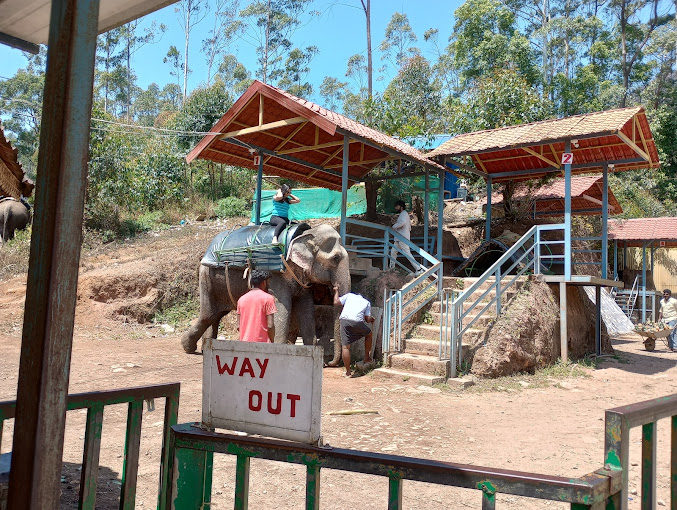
<point x="507" y="296"/>
<point x="419" y="363"/>
<point x="431" y="332"/>
<point x="428" y="347"/>
<point x="403" y="375"/>
<point x="482" y="322"/>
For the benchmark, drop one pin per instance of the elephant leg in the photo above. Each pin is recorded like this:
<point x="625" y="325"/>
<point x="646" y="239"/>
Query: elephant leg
<point x="304" y="308"/>
<point x="282" y="319"/>
<point x="190" y="338"/>
<point x="213" y="329"/>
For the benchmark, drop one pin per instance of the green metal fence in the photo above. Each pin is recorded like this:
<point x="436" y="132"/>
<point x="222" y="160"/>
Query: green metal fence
<point x="95" y="402"/>
<point x="192" y="448"/>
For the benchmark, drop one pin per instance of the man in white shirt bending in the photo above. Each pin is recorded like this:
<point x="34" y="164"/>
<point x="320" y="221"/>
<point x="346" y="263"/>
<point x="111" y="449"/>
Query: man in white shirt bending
<point x="354" y="319"/>
<point x="403" y="227"/>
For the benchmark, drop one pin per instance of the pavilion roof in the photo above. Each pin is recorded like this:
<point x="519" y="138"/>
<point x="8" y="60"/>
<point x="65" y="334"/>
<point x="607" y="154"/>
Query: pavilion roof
<point x="637" y="231"/>
<point x="299" y="140"/>
<point x="11" y="173"/>
<point x="586" y="197"/>
<point x="621" y="138"/>
<point x="25" y="23"/>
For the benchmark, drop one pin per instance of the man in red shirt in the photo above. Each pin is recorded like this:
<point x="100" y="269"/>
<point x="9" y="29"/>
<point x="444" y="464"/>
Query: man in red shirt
<point x="256" y="311"/>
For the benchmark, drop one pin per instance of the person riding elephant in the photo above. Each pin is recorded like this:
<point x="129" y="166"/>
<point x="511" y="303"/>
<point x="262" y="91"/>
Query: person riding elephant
<point x="316" y="256"/>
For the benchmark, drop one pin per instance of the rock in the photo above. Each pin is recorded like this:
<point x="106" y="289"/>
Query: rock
<point x="166" y="328"/>
<point x="633" y="492"/>
<point x="660" y="502"/>
<point x="428" y="389"/>
<point x="567" y="385"/>
<point x="524" y="384"/>
<point x="118" y="370"/>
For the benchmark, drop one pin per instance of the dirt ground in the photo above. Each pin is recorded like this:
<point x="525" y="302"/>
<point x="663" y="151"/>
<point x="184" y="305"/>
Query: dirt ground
<point x="550" y="423"/>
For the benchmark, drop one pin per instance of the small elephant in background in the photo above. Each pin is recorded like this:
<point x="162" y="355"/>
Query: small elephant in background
<point x="15" y="214"/>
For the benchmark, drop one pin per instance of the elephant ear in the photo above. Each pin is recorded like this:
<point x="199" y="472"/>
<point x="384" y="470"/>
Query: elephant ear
<point x="302" y="251"/>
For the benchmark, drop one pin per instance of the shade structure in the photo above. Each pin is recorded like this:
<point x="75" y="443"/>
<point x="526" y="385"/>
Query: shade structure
<point x="638" y="232"/>
<point x="586" y="197"/>
<point x="620" y="138"/>
<point x="25" y="23"/>
<point x="299" y="140"/>
<point x="11" y="173"/>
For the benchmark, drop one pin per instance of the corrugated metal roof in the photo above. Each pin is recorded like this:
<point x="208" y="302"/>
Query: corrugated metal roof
<point x="28" y="20"/>
<point x="313" y="135"/>
<point x="621" y="137"/>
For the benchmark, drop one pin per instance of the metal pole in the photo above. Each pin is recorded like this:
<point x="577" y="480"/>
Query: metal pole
<point x="644" y="281"/>
<point x="259" y="185"/>
<point x="567" y="214"/>
<point x="54" y="257"/>
<point x="615" y="259"/>
<point x="440" y="227"/>
<point x="426" y="209"/>
<point x="344" y="188"/>
<point x="653" y="294"/>
<point x="598" y="320"/>
<point x="487" y="229"/>
<point x="563" y="322"/>
<point x="605" y="220"/>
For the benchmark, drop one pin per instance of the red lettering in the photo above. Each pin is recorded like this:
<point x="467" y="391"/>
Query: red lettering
<point x="278" y="409"/>
<point x="225" y="367"/>
<point x="257" y="394"/>
<point x="262" y="366"/>
<point x="247" y="368"/>
<point x="293" y="398"/>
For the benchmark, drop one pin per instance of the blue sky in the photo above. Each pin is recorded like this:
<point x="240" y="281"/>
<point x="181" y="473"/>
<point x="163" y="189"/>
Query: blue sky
<point x="338" y="33"/>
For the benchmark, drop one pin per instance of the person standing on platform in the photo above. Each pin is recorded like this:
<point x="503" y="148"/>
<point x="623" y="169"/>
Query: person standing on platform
<point x="668" y="314"/>
<point x="280" y="218"/>
<point x="403" y="227"/>
<point x="256" y="311"/>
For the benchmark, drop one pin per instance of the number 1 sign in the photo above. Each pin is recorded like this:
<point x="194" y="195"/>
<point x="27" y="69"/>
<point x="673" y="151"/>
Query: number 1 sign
<point x="567" y="158"/>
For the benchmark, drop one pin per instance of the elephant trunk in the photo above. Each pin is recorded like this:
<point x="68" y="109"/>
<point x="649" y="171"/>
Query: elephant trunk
<point x="343" y="281"/>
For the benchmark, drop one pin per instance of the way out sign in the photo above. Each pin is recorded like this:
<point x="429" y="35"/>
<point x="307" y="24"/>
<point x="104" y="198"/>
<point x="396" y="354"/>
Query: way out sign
<point x="269" y="389"/>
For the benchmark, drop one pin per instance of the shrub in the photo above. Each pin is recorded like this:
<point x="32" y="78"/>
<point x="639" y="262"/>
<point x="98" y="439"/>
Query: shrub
<point x="231" y="207"/>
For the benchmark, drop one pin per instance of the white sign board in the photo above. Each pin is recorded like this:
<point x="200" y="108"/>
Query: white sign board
<point x="567" y="158"/>
<point x="269" y="389"/>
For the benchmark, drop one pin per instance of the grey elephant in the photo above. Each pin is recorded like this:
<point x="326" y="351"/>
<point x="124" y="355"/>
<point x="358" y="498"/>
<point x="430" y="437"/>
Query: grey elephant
<point x="14" y="215"/>
<point x="315" y="256"/>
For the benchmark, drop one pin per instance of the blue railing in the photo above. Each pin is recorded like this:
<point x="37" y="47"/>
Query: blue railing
<point x="399" y="305"/>
<point x="526" y="256"/>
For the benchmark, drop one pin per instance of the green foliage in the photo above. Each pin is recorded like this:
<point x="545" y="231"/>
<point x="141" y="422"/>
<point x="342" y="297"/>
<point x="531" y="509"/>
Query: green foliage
<point x="180" y="314"/>
<point x="232" y="207"/>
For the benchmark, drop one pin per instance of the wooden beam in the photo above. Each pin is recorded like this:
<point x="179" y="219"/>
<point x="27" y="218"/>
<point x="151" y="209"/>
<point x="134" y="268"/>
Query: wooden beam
<point x="317" y="135"/>
<point x="263" y="127"/>
<point x="541" y="157"/>
<point x="361" y="163"/>
<point x="333" y="155"/>
<point x="286" y="140"/>
<point x="597" y="201"/>
<point x="634" y="146"/>
<point x="641" y="135"/>
<point x="311" y="147"/>
<point x="362" y="152"/>
<point x="260" y="109"/>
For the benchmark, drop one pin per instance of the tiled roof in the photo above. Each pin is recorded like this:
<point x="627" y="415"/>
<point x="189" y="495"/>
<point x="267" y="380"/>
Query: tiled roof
<point x="11" y="172"/>
<point x="644" y="229"/>
<point x="551" y="196"/>
<point x="536" y="148"/>
<point x="300" y="140"/>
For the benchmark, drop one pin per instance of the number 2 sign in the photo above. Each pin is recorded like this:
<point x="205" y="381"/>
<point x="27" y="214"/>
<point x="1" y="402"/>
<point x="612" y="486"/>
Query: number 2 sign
<point x="567" y="158"/>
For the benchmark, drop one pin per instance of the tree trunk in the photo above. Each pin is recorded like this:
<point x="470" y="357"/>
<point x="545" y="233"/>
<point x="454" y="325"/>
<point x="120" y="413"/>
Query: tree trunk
<point x="189" y="7"/>
<point x="509" y="210"/>
<point x="265" y="49"/>
<point x="367" y="13"/>
<point x="371" y="189"/>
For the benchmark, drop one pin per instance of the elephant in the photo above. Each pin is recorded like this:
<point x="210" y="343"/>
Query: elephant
<point x="14" y="215"/>
<point x="316" y="256"/>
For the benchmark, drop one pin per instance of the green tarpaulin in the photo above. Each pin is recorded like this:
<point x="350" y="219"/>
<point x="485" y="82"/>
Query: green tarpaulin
<point x="315" y="203"/>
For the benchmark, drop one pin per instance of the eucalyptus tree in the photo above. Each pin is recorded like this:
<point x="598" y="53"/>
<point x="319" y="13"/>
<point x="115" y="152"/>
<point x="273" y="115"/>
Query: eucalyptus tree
<point x="333" y="92"/>
<point x="269" y="26"/>
<point x="296" y="69"/>
<point x="190" y="12"/>
<point x="226" y="27"/>
<point x="399" y="37"/>
<point x="233" y="73"/>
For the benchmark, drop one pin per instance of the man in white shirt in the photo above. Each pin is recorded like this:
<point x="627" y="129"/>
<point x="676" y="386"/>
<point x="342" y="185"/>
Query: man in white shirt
<point x="403" y="227"/>
<point x="668" y="314"/>
<point x="354" y="319"/>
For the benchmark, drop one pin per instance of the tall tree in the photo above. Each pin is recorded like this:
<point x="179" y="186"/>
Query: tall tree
<point x="234" y="75"/>
<point x="110" y="76"/>
<point x="399" y="36"/>
<point x="366" y="6"/>
<point x="225" y="28"/>
<point x="173" y="58"/>
<point x="296" y="69"/>
<point x="333" y="92"/>
<point x="270" y="25"/>
<point x="190" y="12"/>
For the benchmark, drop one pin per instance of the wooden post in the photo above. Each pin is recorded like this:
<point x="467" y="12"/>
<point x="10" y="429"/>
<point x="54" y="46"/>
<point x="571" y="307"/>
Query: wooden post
<point x="54" y="257"/>
<point x="259" y="185"/>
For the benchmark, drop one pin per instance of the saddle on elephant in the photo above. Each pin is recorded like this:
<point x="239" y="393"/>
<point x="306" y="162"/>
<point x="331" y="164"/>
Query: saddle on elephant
<point x="252" y="246"/>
